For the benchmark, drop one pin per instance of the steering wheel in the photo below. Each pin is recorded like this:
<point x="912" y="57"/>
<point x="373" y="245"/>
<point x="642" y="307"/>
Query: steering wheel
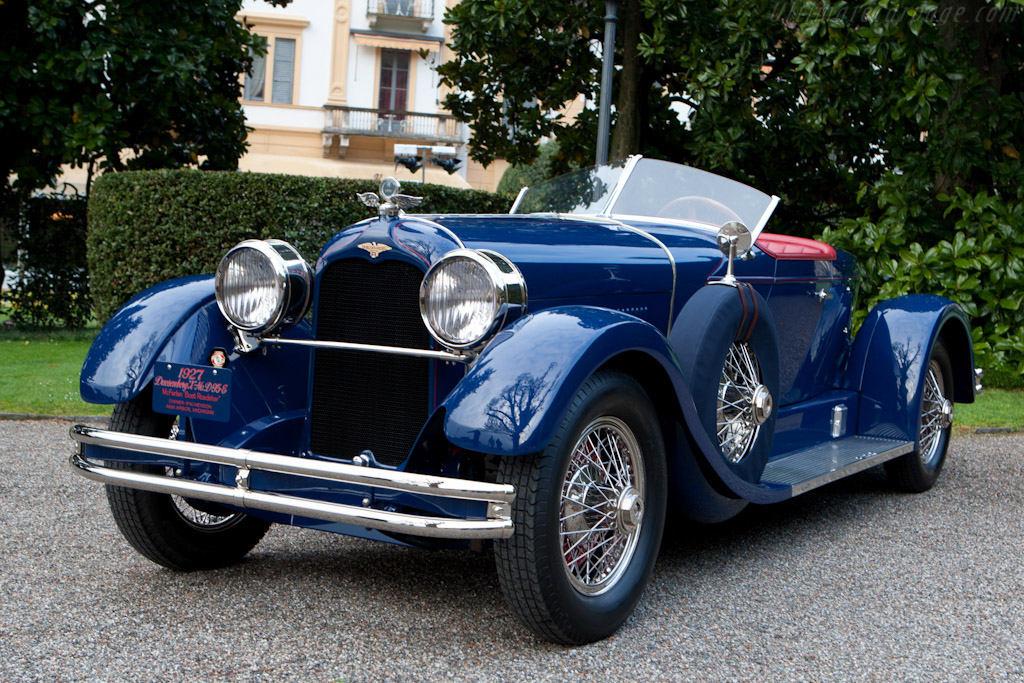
<point x="688" y="208"/>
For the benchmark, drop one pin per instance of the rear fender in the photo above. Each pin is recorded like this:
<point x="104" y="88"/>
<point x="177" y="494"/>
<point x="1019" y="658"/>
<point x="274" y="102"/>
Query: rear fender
<point x="514" y="397"/>
<point x="890" y="353"/>
<point x="179" y="322"/>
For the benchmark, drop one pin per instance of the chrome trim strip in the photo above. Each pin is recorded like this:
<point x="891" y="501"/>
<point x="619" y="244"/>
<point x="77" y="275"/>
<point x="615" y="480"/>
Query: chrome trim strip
<point x="498" y="525"/>
<point x="674" y="222"/>
<point x="424" y="484"/>
<point x="764" y="219"/>
<point x="518" y="201"/>
<point x="351" y="346"/>
<point x="671" y="260"/>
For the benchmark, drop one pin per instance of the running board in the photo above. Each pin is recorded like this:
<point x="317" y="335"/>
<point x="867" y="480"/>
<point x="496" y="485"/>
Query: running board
<point x="823" y="464"/>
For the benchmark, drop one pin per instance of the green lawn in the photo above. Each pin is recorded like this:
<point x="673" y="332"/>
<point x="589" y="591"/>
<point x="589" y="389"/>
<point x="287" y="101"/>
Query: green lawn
<point x="39" y="374"/>
<point x="992" y="408"/>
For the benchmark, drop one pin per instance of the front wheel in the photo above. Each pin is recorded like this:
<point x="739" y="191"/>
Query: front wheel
<point x="589" y="514"/>
<point x="175" y="532"/>
<point x="918" y="471"/>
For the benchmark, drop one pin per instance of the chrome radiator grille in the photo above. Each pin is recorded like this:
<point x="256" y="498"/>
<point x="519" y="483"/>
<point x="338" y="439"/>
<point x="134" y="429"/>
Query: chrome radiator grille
<point x="364" y="400"/>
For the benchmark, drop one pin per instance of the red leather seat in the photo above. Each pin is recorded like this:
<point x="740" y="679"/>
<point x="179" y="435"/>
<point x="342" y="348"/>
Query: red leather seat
<point x="788" y="248"/>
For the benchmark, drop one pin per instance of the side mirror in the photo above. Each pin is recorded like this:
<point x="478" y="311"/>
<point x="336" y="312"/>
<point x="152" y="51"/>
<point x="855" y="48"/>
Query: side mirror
<point x="735" y="241"/>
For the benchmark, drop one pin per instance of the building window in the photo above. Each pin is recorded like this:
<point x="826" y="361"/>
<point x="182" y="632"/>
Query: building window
<point x="275" y="76"/>
<point x="394" y="80"/>
<point x="394" y="90"/>
<point x="401" y="13"/>
<point x="400" y="8"/>
<point x="284" y="70"/>
<point x="280" y="53"/>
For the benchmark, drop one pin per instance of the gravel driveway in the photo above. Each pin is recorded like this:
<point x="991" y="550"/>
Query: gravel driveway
<point x="851" y="582"/>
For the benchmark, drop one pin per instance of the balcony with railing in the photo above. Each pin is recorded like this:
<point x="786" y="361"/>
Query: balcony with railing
<point x="398" y="12"/>
<point x="405" y="125"/>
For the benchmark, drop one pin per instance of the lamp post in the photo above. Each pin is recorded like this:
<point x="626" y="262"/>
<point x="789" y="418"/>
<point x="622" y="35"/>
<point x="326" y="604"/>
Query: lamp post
<point x="607" y="67"/>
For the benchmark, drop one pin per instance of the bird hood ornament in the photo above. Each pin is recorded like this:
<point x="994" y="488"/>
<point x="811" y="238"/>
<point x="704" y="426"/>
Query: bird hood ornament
<point x="390" y="202"/>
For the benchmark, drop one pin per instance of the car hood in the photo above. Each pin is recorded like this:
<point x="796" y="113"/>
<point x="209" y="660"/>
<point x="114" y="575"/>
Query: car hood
<point x="564" y="258"/>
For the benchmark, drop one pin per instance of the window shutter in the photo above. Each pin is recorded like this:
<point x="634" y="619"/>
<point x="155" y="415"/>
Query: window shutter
<point x="284" y="70"/>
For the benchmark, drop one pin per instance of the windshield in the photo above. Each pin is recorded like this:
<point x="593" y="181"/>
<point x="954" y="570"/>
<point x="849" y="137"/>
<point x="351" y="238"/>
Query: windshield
<point x="585" y="192"/>
<point x="652" y="189"/>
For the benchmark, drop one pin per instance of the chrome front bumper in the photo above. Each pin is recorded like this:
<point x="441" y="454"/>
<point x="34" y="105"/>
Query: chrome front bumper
<point x="497" y="524"/>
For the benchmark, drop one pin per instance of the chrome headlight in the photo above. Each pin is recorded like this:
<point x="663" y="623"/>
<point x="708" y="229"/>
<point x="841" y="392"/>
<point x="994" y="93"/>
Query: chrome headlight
<point x="263" y="285"/>
<point x="468" y="294"/>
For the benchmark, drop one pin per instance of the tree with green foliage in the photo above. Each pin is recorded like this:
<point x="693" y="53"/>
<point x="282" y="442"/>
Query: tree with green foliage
<point x="890" y="127"/>
<point x="518" y="176"/>
<point x="111" y="84"/>
<point x="122" y="83"/>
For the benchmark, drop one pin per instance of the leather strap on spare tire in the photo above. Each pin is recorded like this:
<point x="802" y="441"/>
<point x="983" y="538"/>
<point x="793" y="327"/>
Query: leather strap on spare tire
<point x="751" y="311"/>
<point x="716" y="321"/>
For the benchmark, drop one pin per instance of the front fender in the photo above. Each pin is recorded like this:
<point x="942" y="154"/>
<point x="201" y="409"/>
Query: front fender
<point x="179" y="322"/>
<point x="513" y="398"/>
<point x="161" y="322"/>
<point x="890" y="353"/>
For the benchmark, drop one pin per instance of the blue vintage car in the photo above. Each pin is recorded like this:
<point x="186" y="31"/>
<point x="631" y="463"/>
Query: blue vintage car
<point x="626" y="345"/>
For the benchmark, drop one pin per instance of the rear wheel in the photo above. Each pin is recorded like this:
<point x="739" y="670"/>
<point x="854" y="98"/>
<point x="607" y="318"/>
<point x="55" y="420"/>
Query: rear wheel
<point x="175" y="532"/>
<point x="589" y="514"/>
<point x="918" y="471"/>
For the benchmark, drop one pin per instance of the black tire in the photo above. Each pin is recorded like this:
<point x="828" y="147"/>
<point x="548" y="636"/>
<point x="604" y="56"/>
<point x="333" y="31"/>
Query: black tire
<point x="918" y="471"/>
<point x="715" y="326"/>
<point x="169" y="530"/>
<point x="548" y="586"/>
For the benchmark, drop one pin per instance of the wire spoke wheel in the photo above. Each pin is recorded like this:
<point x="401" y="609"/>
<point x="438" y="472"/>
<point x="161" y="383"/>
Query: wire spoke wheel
<point x="742" y="402"/>
<point x="198" y="518"/>
<point x="602" y="506"/>
<point x="936" y="412"/>
<point x="588" y="514"/>
<point x="193" y="514"/>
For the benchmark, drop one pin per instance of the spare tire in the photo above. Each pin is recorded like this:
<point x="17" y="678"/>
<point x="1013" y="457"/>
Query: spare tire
<point x="728" y="350"/>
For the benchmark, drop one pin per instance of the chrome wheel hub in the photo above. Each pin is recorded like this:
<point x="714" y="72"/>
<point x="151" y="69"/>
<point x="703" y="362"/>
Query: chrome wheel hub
<point x="946" y="413"/>
<point x="744" y="403"/>
<point x="762" y="405"/>
<point x="602" y="506"/>
<point x="629" y="510"/>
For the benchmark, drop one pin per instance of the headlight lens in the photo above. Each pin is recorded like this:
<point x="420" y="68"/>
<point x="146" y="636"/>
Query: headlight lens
<point x="263" y="285"/>
<point x="466" y="296"/>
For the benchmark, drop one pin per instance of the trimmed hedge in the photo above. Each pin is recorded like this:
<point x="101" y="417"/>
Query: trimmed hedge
<point x="146" y="227"/>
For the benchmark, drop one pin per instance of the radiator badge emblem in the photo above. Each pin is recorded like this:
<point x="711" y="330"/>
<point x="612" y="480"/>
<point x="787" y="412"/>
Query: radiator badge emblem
<point x="375" y="249"/>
